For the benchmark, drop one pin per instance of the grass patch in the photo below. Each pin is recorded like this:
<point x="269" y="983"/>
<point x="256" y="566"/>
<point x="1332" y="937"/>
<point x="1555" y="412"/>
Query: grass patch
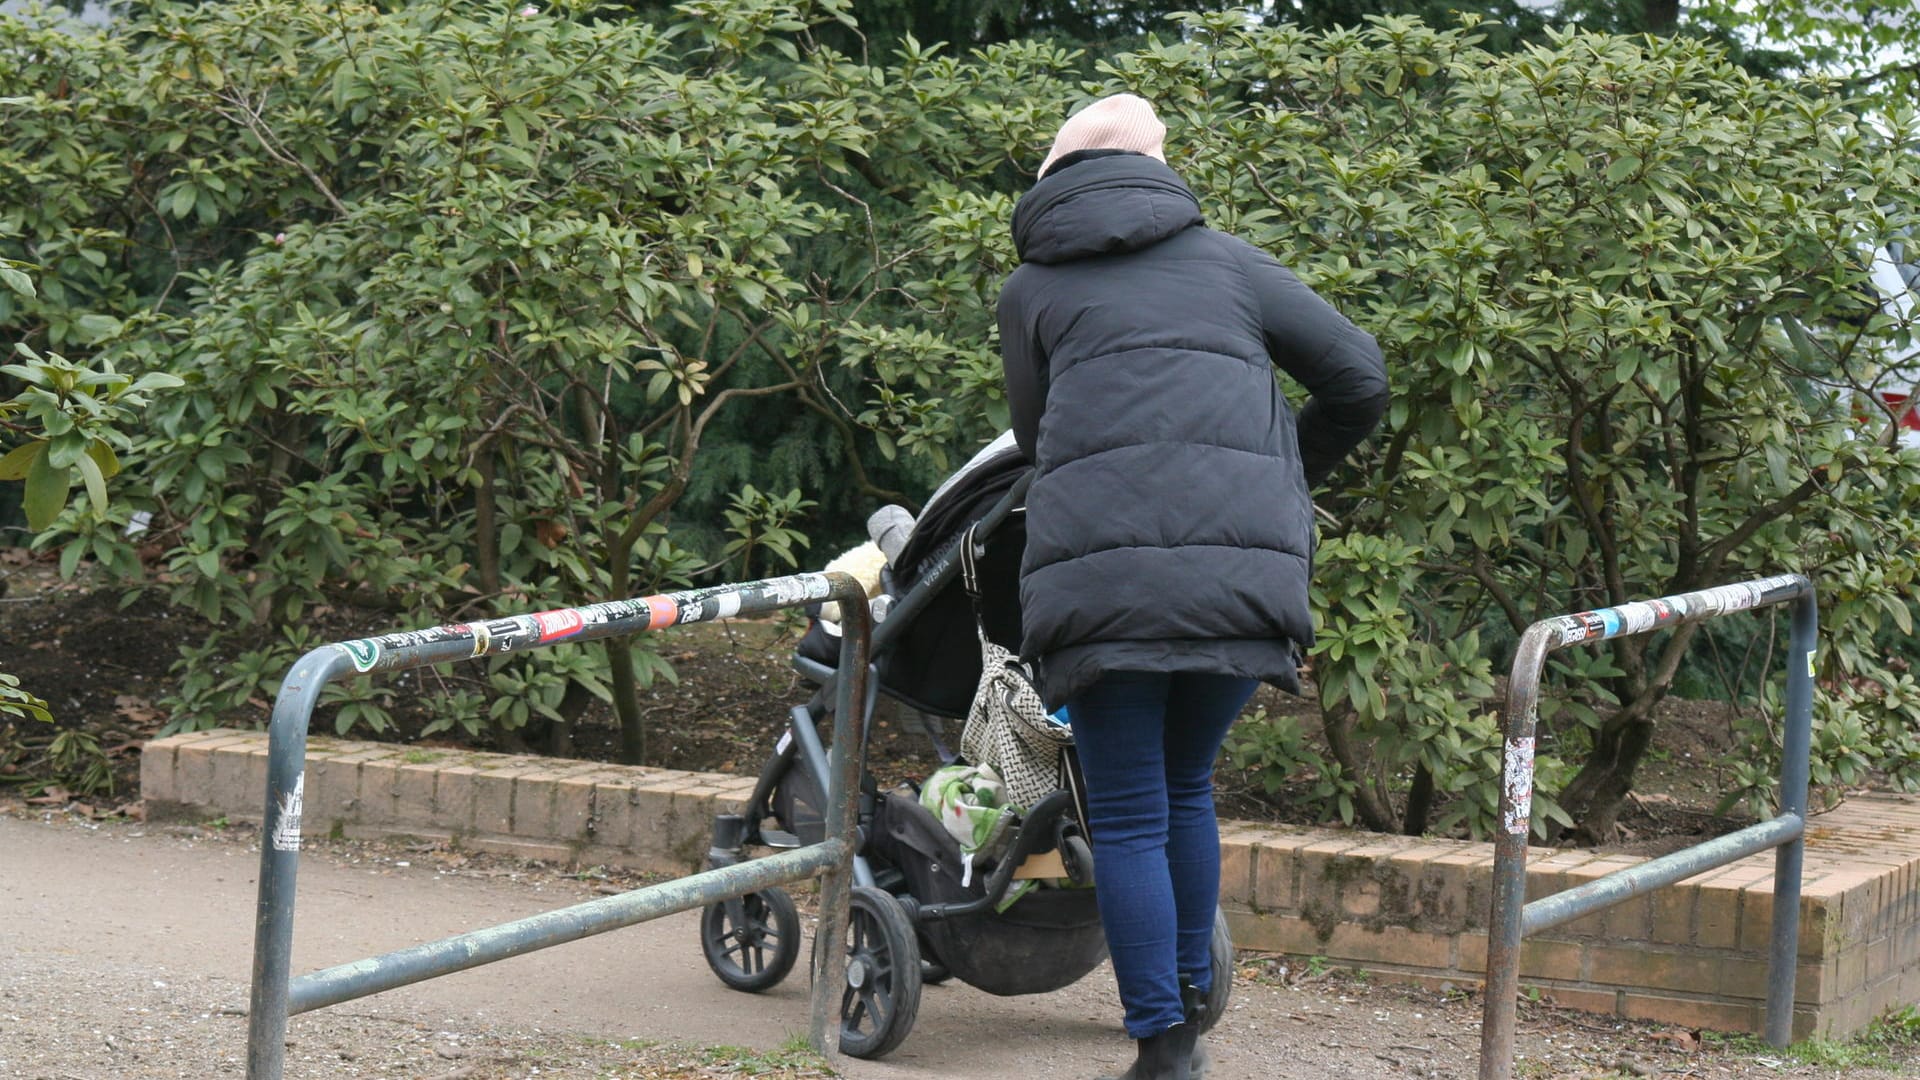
<point x="791" y="1058"/>
<point x="1888" y="1043"/>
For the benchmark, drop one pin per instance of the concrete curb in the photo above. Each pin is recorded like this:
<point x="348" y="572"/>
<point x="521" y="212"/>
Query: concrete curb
<point x="1404" y="907"/>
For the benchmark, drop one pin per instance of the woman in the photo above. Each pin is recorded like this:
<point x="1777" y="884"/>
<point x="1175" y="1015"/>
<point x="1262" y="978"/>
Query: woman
<point x="1169" y="526"/>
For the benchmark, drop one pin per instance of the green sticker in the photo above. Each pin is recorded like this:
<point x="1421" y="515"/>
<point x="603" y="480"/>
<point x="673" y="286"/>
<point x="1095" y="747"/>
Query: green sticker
<point x="1810" y="671"/>
<point x="363" y="653"/>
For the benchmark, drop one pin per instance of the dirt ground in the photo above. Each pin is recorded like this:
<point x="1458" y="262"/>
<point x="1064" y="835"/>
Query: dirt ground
<point x="83" y="992"/>
<point x="124" y="952"/>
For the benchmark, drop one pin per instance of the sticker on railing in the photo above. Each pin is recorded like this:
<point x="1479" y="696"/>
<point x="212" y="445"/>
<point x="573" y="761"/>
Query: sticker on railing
<point x="559" y="625"/>
<point x="364" y="653"/>
<point x="1810" y="668"/>
<point x="1517" y="778"/>
<point x="286" y="831"/>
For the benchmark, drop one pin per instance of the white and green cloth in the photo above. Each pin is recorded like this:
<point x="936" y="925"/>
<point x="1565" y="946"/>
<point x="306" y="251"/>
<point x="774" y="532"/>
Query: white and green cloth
<point x="971" y="803"/>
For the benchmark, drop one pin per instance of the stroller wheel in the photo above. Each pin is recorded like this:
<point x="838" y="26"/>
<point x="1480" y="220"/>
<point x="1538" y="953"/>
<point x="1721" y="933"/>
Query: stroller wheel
<point x="1220" y="959"/>
<point x="751" y="942"/>
<point x="881" y="995"/>
<point x="1077" y="857"/>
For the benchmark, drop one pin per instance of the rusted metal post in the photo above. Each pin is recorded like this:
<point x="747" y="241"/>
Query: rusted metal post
<point x="1511" y="917"/>
<point x="844" y="766"/>
<point x="275" y="995"/>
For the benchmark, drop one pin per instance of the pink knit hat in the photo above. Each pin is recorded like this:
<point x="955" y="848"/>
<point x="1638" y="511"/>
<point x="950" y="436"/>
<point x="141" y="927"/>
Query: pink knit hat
<point x="1117" y="122"/>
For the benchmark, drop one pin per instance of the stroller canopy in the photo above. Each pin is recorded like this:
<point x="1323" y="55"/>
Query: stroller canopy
<point x="934" y="663"/>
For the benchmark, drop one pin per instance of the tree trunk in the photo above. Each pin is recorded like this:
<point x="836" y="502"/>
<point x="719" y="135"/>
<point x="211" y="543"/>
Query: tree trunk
<point x="1594" y="797"/>
<point x="560" y="734"/>
<point x="486" y="535"/>
<point x="1372" y="812"/>
<point x="1419" y="802"/>
<point x="626" y="685"/>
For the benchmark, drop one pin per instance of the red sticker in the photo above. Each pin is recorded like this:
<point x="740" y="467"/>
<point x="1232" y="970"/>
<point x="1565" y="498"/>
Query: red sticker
<point x="555" y="625"/>
<point x="665" y="612"/>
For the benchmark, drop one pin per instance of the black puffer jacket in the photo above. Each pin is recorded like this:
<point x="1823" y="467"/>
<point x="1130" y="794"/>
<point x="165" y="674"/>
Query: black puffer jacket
<point x="1169" y="526"/>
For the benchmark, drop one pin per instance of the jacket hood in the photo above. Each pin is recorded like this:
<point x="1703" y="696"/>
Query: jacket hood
<point x="1102" y="206"/>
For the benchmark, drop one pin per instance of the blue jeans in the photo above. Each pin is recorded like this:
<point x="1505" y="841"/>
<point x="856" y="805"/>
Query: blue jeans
<point x="1147" y="743"/>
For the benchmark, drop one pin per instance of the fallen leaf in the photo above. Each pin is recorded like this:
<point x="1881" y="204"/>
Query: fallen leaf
<point x="136" y="710"/>
<point x="1686" y="1042"/>
<point x="53" y="796"/>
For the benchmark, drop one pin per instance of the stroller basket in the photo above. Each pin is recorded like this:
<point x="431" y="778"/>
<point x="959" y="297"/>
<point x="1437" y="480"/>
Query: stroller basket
<point x="1047" y="939"/>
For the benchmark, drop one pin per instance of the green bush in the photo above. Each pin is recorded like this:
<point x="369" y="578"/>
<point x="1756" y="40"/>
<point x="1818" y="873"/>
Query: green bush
<point x="470" y="303"/>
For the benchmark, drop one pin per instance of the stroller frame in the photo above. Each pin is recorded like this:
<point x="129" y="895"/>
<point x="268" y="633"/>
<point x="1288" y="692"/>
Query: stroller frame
<point x="751" y="942"/>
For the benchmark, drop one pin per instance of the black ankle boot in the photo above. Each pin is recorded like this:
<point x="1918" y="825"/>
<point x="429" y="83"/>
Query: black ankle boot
<point x="1193" y="1002"/>
<point x="1166" y="1056"/>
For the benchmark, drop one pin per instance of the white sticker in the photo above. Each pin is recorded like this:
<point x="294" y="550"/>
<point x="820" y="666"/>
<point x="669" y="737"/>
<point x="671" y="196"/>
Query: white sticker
<point x="786" y="740"/>
<point x="1517" y="777"/>
<point x="1637" y="617"/>
<point x="726" y="605"/>
<point x="286" y="831"/>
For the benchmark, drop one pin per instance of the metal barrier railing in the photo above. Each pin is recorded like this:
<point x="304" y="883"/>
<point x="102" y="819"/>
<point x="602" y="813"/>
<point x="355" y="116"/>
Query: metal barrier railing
<point x="1512" y="918"/>
<point x="277" y="996"/>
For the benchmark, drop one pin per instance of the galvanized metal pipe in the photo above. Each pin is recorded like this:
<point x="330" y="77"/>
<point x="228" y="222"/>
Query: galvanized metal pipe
<point x="402" y="967"/>
<point x="1783" y="947"/>
<point x="272" y="998"/>
<point x="845" y="765"/>
<point x="1551" y="911"/>
<point x="1510" y="854"/>
<point x="1507" y="922"/>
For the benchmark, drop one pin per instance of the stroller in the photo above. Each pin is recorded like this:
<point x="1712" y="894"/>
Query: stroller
<point x="920" y="911"/>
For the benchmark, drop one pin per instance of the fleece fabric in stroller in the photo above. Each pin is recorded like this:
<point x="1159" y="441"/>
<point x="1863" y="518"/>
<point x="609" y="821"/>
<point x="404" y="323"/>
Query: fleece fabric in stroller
<point x="1048" y="939"/>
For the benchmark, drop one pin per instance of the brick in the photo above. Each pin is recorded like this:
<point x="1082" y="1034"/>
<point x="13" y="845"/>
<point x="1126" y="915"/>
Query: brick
<point x="454" y="796"/>
<point x="1274" y="873"/>
<point x="1630" y="920"/>
<point x="410" y="796"/>
<point x="543" y="850"/>
<point x="193" y="773"/>
<point x="1539" y="959"/>
<point x="493" y="801"/>
<point x="1670" y="911"/>
<point x="331" y="793"/>
<point x="534" y="791"/>
<point x="1602" y="1002"/>
<point x="379" y="777"/>
<point x="1656" y="969"/>
<point x="1690" y="1013"/>
<point x="239" y="785"/>
<point x="573" y="819"/>
<point x="156" y="770"/>
<point x="1286" y="934"/>
<point x="1746" y="977"/>
<point x="1550" y="960"/>
<point x="1236" y="872"/>
<point x="1388" y="945"/>
<point x="1906" y="947"/>
<point x="1716" y="916"/>
<point x="1457" y="891"/>
<point x="614" y="803"/>
<point x="1850" y="973"/>
<point x="1879" y="960"/>
<point x="1884" y="996"/>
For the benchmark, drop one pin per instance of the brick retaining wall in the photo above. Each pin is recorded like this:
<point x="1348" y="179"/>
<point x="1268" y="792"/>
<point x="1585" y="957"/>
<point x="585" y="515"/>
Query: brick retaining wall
<point x="1692" y="954"/>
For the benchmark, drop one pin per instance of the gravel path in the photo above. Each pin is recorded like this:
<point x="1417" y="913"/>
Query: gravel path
<point x="125" y="951"/>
